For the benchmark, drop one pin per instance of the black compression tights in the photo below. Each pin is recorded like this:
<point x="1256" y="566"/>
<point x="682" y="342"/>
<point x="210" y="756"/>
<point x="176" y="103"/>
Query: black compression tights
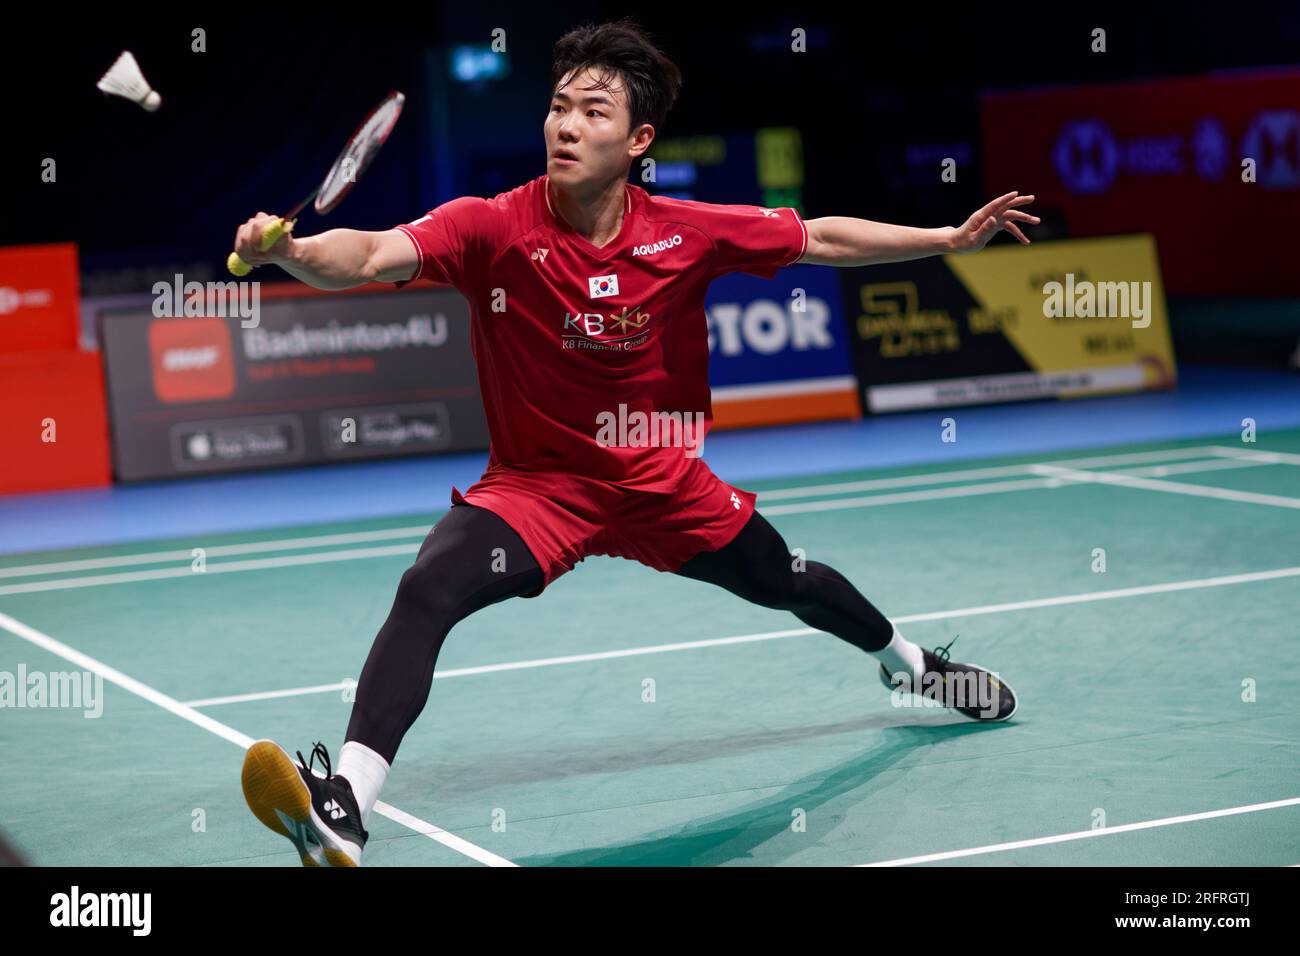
<point x="469" y="560"/>
<point x="472" y="559"/>
<point x="758" y="567"/>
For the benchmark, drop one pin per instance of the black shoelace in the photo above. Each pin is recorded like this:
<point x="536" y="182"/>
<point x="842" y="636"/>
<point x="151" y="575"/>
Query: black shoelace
<point x="318" y="750"/>
<point x="939" y="652"/>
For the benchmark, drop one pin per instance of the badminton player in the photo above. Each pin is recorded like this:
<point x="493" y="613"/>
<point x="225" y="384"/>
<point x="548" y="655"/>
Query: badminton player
<point x="587" y="297"/>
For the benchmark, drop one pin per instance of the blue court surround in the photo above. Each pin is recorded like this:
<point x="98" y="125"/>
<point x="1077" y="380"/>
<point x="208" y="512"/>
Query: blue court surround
<point x="1210" y="401"/>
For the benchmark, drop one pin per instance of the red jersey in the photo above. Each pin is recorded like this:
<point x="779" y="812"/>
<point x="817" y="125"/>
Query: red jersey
<point x="564" y="333"/>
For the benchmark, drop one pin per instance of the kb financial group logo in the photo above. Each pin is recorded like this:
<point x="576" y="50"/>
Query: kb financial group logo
<point x="1089" y="157"/>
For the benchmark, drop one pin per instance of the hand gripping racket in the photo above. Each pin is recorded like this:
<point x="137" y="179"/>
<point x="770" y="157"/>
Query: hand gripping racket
<point x="361" y="148"/>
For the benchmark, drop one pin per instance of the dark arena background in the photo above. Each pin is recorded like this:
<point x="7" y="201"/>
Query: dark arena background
<point x="1081" y="457"/>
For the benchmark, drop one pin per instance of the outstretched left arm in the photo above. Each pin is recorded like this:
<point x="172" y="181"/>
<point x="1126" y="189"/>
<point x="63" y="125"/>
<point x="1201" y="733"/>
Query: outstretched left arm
<point x="841" y="241"/>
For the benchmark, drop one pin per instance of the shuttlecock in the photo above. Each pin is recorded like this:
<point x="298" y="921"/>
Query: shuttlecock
<point x="125" y="79"/>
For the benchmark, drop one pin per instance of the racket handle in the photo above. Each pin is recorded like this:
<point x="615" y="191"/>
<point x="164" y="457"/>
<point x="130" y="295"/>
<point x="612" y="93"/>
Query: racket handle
<point x="270" y="236"/>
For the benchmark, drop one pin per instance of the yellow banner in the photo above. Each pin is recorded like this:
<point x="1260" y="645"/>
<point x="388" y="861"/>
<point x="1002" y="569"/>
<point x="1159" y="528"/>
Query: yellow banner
<point x="1075" y="304"/>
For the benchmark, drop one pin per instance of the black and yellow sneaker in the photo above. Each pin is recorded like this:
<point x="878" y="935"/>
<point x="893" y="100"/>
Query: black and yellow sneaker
<point x="319" y="815"/>
<point x="974" y="691"/>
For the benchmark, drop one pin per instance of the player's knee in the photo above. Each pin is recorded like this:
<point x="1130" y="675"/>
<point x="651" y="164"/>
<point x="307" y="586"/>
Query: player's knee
<point x="411" y="587"/>
<point x="782" y="590"/>
<point x="425" y="586"/>
<point x="797" y="589"/>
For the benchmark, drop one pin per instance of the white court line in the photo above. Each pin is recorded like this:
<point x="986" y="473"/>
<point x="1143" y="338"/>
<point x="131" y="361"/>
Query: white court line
<point x="1175" y="487"/>
<point x="1189" y="467"/>
<point x="1058" y="478"/>
<point x="225" y="567"/>
<point x="1266" y="457"/>
<point x="902" y="481"/>
<point x="972" y="474"/>
<point x="1189" y="585"/>
<point x="127" y="577"/>
<point x="273" y="694"/>
<point x="1054" y="477"/>
<point x="521" y="665"/>
<point x="1086" y="834"/>
<point x="902" y="497"/>
<point x="215" y="551"/>
<point x="358" y="537"/>
<point x="185" y="712"/>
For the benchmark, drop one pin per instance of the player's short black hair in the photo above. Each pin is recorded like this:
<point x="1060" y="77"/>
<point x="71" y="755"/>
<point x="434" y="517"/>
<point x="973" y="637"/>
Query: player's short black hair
<point x="624" y="49"/>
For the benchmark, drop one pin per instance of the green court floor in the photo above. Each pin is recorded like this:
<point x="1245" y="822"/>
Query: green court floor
<point x="629" y="717"/>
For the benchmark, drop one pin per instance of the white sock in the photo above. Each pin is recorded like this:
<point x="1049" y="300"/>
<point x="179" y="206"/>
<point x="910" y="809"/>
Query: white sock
<point x="366" y="771"/>
<point x="900" y="654"/>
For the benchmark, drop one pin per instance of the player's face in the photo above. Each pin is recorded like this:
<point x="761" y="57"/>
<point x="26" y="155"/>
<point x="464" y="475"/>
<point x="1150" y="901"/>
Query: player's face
<point x="586" y="130"/>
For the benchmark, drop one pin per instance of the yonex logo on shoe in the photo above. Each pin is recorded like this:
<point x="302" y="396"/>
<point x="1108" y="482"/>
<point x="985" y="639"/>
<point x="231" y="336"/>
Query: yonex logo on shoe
<point x="334" y="810"/>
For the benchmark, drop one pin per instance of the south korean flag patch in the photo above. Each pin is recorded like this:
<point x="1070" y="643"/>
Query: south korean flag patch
<point x="602" y="286"/>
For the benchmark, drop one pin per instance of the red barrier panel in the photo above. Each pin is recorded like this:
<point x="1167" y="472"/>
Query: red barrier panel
<point x="1171" y="157"/>
<point x="38" y="297"/>
<point x="54" y="430"/>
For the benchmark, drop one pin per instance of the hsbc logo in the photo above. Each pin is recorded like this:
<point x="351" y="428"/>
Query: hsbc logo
<point x="1086" y="156"/>
<point x="11" y="300"/>
<point x="1273" y="140"/>
<point x="1089" y="158"/>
